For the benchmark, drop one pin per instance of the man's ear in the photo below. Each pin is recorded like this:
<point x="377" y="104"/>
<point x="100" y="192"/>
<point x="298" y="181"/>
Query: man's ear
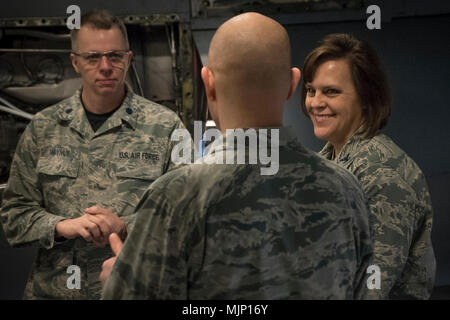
<point x="208" y="81"/>
<point x="74" y="61"/>
<point x="130" y="58"/>
<point x="295" y="78"/>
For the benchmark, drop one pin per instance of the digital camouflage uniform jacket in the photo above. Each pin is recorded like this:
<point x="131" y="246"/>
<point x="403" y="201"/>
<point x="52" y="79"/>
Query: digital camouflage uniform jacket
<point x="400" y="214"/>
<point x="224" y="231"/>
<point x="62" y="167"/>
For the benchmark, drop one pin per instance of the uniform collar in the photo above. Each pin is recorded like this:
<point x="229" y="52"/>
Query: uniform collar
<point x="285" y="135"/>
<point x="127" y="113"/>
<point x="71" y="110"/>
<point x="347" y="150"/>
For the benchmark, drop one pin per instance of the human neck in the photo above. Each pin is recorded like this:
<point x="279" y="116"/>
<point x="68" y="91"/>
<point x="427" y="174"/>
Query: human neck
<point x="338" y="145"/>
<point x="337" y="148"/>
<point x="248" y="124"/>
<point x="243" y="115"/>
<point x="102" y="104"/>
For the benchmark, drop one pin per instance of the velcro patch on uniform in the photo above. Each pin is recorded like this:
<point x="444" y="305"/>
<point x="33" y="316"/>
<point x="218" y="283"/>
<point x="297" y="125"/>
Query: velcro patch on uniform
<point x="62" y="152"/>
<point x="147" y="156"/>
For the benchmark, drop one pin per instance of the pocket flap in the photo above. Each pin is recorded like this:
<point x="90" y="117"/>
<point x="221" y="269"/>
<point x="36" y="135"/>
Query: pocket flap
<point x="58" y="166"/>
<point x="143" y="173"/>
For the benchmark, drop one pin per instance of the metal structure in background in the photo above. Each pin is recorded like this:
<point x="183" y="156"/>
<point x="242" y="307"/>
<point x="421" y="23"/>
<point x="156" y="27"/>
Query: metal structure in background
<point x="218" y="8"/>
<point x="209" y="14"/>
<point x="181" y="51"/>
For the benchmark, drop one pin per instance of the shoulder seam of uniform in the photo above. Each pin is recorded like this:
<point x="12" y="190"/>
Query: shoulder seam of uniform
<point x="379" y="163"/>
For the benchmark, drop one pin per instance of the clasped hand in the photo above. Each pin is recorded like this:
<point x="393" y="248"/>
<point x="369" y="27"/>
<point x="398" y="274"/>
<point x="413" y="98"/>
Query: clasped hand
<point x="94" y="226"/>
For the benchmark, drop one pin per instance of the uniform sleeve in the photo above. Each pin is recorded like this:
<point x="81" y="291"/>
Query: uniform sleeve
<point x="363" y="245"/>
<point x="402" y="236"/>
<point x="152" y="264"/>
<point x="24" y="219"/>
<point x="417" y="278"/>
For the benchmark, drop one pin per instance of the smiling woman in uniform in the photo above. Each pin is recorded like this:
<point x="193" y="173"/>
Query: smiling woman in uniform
<point x="346" y="95"/>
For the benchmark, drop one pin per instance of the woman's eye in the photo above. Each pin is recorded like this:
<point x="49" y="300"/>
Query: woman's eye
<point x="310" y="91"/>
<point x="331" y="91"/>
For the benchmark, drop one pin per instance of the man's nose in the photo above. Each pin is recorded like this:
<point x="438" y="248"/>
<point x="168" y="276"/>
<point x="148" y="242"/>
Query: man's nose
<point x="105" y="64"/>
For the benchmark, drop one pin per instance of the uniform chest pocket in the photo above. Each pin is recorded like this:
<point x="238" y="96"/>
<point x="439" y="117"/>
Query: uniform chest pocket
<point x="58" y="166"/>
<point x="131" y="183"/>
<point x="57" y="178"/>
<point x="148" y="173"/>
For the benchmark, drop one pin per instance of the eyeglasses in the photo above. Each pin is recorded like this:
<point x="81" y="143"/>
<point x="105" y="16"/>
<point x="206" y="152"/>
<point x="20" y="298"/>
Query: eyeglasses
<point x="115" y="57"/>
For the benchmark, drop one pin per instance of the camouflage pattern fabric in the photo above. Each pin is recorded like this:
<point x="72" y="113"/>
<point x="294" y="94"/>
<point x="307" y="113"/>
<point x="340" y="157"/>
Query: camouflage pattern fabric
<point x="224" y="231"/>
<point x="62" y="167"/>
<point x="400" y="214"/>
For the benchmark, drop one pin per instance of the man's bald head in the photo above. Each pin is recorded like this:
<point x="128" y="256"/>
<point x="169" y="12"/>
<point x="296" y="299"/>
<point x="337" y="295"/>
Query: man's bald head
<point x="249" y="74"/>
<point x="251" y="50"/>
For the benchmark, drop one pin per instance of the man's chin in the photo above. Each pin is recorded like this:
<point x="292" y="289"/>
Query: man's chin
<point x="107" y="90"/>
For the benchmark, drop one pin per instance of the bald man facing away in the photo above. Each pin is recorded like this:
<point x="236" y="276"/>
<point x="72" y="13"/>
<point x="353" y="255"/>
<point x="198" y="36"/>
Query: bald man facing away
<point x="226" y="231"/>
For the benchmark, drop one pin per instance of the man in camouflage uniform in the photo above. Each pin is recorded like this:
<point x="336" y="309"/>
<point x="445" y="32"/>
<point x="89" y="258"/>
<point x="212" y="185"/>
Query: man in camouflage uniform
<point x="82" y="165"/>
<point x="401" y="214"/>
<point x="224" y="231"/>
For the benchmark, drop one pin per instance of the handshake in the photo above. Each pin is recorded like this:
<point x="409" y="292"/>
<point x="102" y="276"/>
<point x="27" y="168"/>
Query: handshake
<point x="94" y="226"/>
